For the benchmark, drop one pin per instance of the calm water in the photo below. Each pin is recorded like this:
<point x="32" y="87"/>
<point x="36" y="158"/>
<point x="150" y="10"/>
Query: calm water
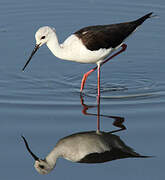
<point x="43" y="103"/>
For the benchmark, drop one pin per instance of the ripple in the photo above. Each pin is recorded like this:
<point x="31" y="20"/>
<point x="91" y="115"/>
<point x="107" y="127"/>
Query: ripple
<point x="131" y="87"/>
<point x="67" y="86"/>
<point x="127" y="89"/>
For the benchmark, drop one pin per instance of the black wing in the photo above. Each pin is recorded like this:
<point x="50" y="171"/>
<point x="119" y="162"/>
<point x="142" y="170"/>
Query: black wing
<point x="108" y="36"/>
<point x="106" y="156"/>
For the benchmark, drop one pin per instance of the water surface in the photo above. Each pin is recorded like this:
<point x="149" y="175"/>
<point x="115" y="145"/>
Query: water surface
<point x="43" y="103"/>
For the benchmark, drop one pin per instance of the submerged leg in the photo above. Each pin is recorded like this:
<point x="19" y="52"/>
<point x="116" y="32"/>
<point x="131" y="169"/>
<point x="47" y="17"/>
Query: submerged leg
<point x="124" y="46"/>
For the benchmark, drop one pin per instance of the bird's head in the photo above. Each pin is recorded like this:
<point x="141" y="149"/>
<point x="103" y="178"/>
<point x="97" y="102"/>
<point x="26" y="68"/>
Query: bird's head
<point x="42" y="36"/>
<point x="41" y="166"/>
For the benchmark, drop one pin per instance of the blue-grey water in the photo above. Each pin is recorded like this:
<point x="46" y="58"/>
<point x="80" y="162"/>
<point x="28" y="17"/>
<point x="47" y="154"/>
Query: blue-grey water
<point x="43" y="103"/>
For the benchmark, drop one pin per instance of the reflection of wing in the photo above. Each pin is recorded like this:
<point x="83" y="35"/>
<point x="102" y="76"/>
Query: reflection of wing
<point x="108" y="36"/>
<point x="108" y="156"/>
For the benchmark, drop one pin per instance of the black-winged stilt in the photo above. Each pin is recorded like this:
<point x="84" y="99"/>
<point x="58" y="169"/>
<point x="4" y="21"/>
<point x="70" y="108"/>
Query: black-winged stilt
<point x="85" y="147"/>
<point x="91" y="44"/>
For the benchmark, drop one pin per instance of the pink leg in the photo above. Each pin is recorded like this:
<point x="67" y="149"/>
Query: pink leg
<point x="98" y="80"/>
<point x="85" y="78"/>
<point x="98" y="98"/>
<point x="124" y="46"/>
<point x="98" y="117"/>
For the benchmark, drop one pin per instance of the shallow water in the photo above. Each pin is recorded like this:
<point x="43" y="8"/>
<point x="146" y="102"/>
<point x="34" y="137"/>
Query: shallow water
<point x="43" y="103"/>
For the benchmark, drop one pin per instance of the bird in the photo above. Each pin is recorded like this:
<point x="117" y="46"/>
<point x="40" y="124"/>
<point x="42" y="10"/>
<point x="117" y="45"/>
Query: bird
<point x="85" y="147"/>
<point x="92" y="44"/>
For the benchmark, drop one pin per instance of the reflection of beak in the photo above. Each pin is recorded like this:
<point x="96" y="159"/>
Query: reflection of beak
<point x="27" y="146"/>
<point x="33" y="52"/>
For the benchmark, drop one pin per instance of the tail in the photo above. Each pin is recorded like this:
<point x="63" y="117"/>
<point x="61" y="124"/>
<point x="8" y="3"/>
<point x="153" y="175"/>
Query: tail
<point x="139" y="21"/>
<point x="133" y="154"/>
<point x="141" y="156"/>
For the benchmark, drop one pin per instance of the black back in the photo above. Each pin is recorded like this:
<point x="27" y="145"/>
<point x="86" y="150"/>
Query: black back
<point x="108" y="36"/>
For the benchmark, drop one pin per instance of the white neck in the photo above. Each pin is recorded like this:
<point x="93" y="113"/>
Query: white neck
<point x="54" y="45"/>
<point x="52" y="157"/>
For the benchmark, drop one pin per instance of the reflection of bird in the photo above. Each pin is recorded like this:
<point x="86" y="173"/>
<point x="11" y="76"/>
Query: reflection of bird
<point x="85" y="147"/>
<point x="91" y="44"/>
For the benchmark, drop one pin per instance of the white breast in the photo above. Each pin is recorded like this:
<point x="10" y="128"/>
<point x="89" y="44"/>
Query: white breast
<point x="74" y="50"/>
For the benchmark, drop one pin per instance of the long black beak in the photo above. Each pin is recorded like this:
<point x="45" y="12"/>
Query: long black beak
<point x="27" y="146"/>
<point x="33" y="52"/>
